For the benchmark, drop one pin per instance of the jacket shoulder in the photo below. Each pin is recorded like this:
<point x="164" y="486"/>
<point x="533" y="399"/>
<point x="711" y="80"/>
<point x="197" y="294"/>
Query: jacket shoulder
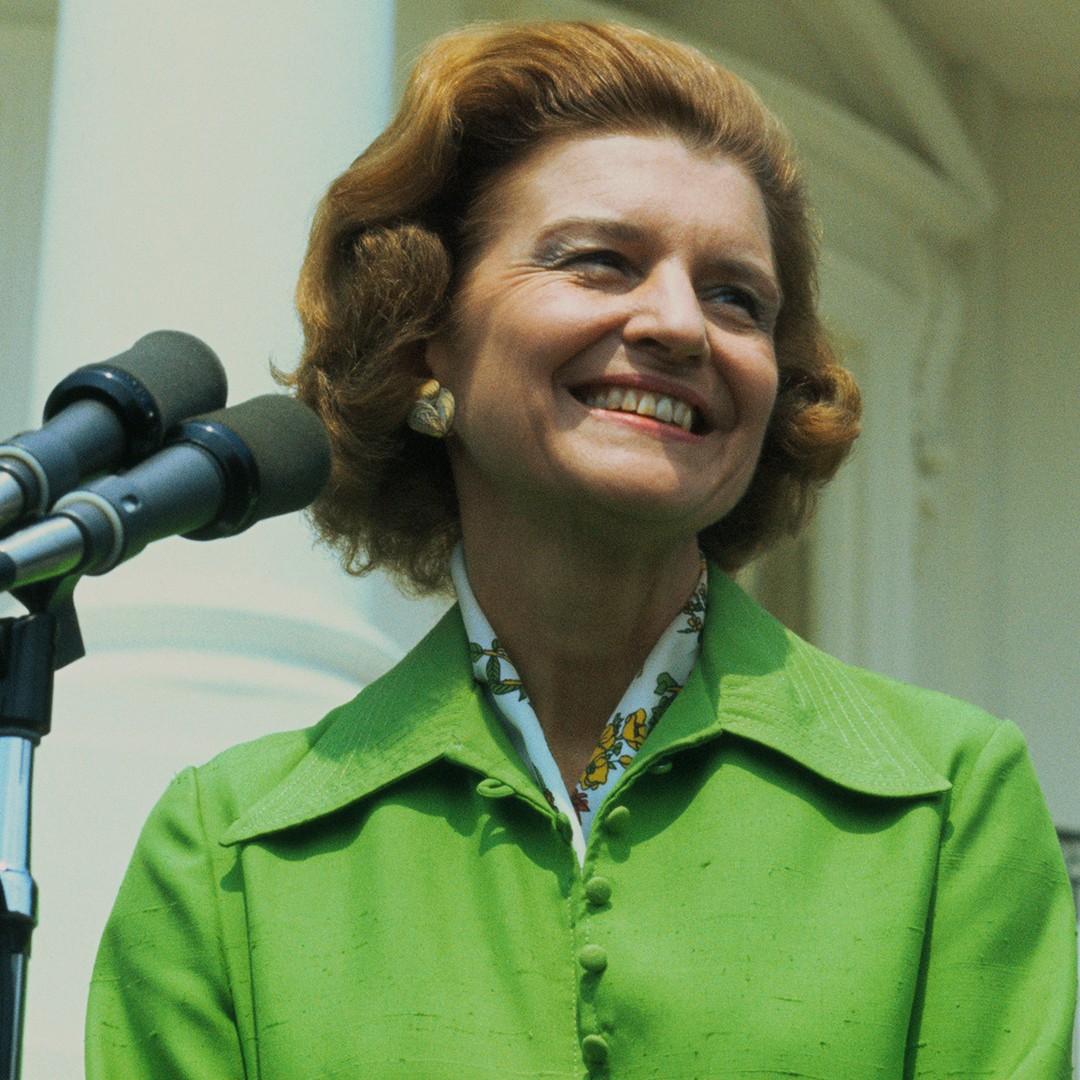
<point x="867" y="731"/>
<point x="294" y="766"/>
<point x="240" y="776"/>
<point x="948" y="732"/>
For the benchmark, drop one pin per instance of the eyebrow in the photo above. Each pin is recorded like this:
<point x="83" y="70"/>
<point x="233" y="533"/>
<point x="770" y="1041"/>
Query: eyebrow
<point x="742" y="269"/>
<point x="613" y="228"/>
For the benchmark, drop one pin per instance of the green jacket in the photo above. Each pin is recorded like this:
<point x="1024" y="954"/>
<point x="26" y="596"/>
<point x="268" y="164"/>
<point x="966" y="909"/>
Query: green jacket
<point x="807" y="871"/>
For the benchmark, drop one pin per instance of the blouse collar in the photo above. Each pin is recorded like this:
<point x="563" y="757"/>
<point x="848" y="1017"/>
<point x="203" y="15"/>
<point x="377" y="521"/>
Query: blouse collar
<point x="655" y="686"/>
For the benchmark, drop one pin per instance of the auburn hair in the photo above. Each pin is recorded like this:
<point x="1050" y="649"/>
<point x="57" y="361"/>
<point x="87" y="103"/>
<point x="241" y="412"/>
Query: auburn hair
<point x="392" y="233"/>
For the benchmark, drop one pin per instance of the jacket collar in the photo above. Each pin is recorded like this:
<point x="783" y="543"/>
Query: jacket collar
<point x="767" y="684"/>
<point x="754" y="679"/>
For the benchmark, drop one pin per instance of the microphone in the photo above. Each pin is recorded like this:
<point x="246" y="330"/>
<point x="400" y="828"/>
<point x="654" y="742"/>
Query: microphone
<point x="107" y="416"/>
<point x="219" y="475"/>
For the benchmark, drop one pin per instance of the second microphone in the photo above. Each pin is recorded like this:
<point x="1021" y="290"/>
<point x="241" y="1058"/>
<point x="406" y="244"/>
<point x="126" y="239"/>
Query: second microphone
<point x="220" y="474"/>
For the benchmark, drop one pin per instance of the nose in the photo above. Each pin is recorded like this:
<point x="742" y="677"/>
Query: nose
<point x="666" y="317"/>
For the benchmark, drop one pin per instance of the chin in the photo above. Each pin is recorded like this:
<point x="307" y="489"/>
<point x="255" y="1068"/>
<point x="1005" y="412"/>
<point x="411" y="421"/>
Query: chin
<point x="663" y="492"/>
<point x="667" y="508"/>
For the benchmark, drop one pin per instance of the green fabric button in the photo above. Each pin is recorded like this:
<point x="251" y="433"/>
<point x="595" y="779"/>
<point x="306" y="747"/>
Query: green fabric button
<point x="617" y="821"/>
<point x="491" y="788"/>
<point x="593" y="958"/>
<point x="594" y="1048"/>
<point x="598" y="890"/>
<point x="661" y="768"/>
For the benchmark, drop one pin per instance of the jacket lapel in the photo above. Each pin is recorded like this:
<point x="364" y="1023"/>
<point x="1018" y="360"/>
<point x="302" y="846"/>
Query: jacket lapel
<point x="762" y="682"/>
<point x="754" y="679"/>
<point x="428" y="707"/>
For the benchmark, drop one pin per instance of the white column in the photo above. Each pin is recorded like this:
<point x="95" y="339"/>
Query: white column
<point x="190" y="141"/>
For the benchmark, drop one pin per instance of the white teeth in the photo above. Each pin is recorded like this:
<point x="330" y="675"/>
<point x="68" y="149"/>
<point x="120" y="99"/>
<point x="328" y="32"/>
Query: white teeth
<point x="645" y="403"/>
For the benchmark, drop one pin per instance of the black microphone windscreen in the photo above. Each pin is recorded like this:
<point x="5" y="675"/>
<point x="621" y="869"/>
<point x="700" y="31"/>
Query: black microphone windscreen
<point x="161" y="380"/>
<point x="180" y="372"/>
<point x="290" y="446"/>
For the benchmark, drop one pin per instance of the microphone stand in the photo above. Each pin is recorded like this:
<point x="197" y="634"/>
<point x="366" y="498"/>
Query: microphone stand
<point x="32" y="648"/>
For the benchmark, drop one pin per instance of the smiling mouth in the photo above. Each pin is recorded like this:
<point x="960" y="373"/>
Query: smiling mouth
<point x="660" y="407"/>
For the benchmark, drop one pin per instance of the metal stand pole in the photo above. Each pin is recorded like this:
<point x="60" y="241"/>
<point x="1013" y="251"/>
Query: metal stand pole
<point x="32" y="648"/>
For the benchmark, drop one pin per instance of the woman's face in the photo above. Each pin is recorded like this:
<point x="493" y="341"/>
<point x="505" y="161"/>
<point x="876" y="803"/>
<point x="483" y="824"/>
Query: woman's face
<point x="612" y="357"/>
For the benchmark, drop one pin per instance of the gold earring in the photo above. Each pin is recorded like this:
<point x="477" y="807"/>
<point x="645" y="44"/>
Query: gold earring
<point x="433" y="411"/>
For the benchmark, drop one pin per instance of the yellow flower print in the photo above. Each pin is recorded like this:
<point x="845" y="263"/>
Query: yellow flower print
<point x="694" y="610"/>
<point x="635" y="729"/>
<point x="596" y="772"/>
<point x="609" y="734"/>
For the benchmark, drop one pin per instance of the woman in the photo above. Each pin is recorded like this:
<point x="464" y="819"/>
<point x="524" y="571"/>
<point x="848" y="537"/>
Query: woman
<point x="609" y="818"/>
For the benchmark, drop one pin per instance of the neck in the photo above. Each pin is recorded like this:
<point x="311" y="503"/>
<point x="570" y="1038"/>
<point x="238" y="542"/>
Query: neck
<point x="577" y="618"/>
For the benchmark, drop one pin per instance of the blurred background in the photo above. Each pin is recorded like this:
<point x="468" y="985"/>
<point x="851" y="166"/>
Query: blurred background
<point x="159" y="164"/>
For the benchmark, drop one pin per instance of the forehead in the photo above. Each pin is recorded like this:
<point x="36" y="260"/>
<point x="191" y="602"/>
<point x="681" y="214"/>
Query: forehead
<point x="649" y="179"/>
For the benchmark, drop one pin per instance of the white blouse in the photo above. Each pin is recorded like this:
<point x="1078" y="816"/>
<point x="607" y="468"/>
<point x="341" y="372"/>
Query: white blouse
<point x="661" y="677"/>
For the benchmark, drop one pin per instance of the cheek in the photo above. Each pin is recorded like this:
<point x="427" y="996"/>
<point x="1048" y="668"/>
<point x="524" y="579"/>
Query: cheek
<point x="757" y="391"/>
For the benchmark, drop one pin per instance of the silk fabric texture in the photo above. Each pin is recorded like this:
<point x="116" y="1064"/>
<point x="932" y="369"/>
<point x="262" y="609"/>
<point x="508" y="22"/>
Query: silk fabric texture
<point x="807" y="870"/>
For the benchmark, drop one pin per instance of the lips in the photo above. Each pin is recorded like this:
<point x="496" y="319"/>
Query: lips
<point x="661" y="407"/>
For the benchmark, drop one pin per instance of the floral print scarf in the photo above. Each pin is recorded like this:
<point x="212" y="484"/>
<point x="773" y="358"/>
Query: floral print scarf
<point x="663" y="674"/>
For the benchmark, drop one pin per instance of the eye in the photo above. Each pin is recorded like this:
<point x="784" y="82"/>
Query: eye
<point x="600" y="263"/>
<point x="614" y="259"/>
<point x="742" y="302"/>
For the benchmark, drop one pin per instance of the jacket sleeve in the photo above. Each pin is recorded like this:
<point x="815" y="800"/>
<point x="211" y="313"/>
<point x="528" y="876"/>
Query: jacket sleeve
<point x="999" y="969"/>
<point x="160" y="1001"/>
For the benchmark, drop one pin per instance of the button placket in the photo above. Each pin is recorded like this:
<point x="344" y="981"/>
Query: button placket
<point x="617" y="821"/>
<point x="594" y="1049"/>
<point x="609" y="844"/>
<point x="593" y="960"/>
<point x="490" y="788"/>
<point x="598" y="891"/>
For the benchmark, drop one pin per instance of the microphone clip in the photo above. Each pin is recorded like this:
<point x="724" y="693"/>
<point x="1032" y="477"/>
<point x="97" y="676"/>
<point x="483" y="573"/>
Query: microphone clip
<point x="33" y="647"/>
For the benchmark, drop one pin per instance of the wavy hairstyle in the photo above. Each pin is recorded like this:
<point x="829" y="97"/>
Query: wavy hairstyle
<point x="393" y="232"/>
